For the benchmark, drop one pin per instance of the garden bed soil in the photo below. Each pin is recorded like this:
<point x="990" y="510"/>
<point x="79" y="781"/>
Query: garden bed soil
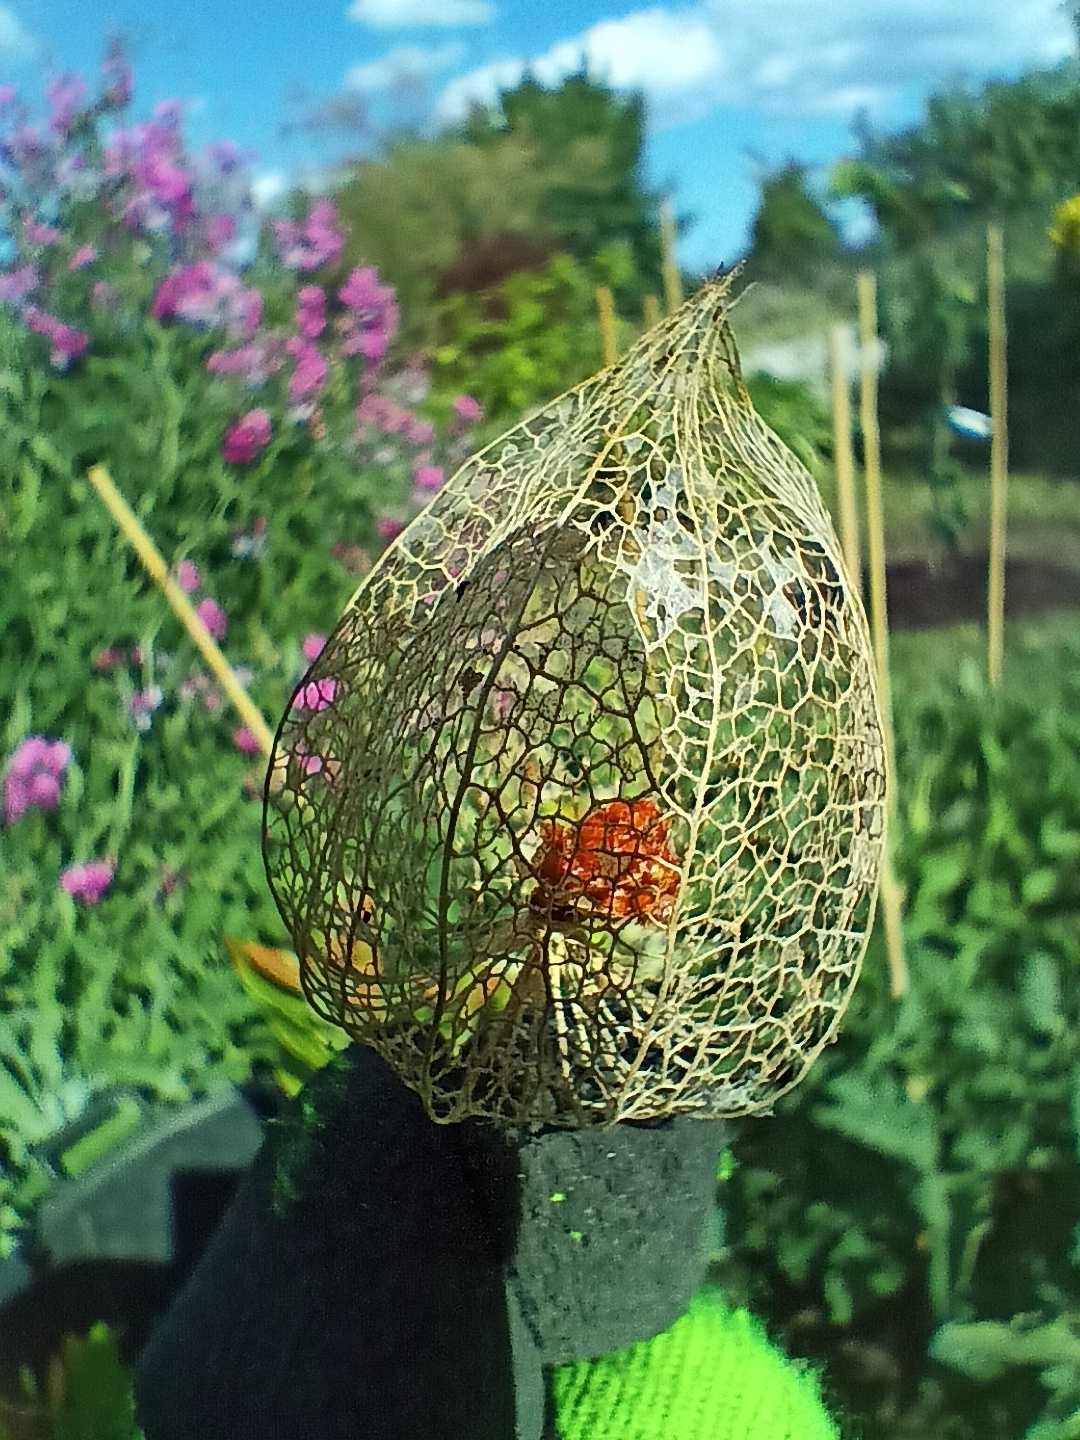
<point x="922" y="596"/>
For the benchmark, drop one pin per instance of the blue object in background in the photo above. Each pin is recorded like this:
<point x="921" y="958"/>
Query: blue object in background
<point x="969" y="424"/>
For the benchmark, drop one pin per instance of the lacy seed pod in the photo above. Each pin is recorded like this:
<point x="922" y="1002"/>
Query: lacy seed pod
<point x="578" y="816"/>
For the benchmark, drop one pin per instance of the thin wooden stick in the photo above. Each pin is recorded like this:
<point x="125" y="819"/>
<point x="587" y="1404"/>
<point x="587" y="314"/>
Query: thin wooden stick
<point x="155" y="566"/>
<point x="999" y="452"/>
<point x="650" y="311"/>
<point x="605" y="314"/>
<point x="844" y="456"/>
<point x="891" y="893"/>
<point x="673" y="292"/>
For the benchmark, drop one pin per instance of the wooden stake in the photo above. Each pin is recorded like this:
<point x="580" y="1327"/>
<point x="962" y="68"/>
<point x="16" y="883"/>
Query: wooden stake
<point x="155" y="566"/>
<point x="999" y="452"/>
<point x="605" y="314"/>
<point x="673" y="292"/>
<point x="650" y="310"/>
<point x="891" y="894"/>
<point x="843" y="456"/>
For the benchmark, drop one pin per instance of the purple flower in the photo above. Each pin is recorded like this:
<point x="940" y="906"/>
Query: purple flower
<point x="246" y="439"/>
<point x="468" y="410"/>
<point x="213" y="617"/>
<point x="310" y="372"/>
<point x="179" y="286"/>
<point x="316" y="694"/>
<point x="313" y="646"/>
<point x="67" y="97"/>
<point x="108" y="659"/>
<point x="87" y="883"/>
<point x="311" y="311"/>
<point x="33" y="776"/>
<point x="8" y="96"/>
<point x="312" y="243"/>
<point x="83" y="256"/>
<point x="67" y="343"/>
<point x="429" y="477"/>
<point x="246" y="741"/>
<point x="388" y="528"/>
<point x="188" y="577"/>
<point x="17" y="284"/>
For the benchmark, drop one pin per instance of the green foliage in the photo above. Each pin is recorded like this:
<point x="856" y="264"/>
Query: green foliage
<point x="1009" y="145"/>
<point x="526" y="340"/>
<point x="791" y="236"/>
<point x="90" y="1394"/>
<point x="543" y="171"/>
<point x="797" y="415"/>
<point x="135" y="993"/>
<point x="590" y="140"/>
<point x="904" y="1161"/>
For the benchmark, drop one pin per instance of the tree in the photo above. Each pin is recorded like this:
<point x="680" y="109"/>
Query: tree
<point x="792" y="236"/>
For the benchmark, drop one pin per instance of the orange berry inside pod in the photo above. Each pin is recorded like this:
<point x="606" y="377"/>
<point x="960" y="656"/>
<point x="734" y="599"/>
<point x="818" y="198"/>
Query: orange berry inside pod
<point x="614" y="864"/>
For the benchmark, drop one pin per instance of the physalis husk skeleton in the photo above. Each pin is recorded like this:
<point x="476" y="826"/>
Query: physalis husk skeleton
<point x="586" y="821"/>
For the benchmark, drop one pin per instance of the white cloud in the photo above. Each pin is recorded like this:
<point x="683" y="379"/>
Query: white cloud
<point x="400" y="14"/>
<point x="791" y="58"/>
<point x="16" y="41"/>
<point x="785" y="56"/>
<point x="667" y="53"/>
<point x="403" y="63"/>
<point x="267" y="187"/>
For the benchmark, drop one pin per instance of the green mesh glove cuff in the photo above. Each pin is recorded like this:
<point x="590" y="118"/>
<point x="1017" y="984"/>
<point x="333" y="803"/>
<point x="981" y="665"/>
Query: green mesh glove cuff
<point x="713" y="1376"/>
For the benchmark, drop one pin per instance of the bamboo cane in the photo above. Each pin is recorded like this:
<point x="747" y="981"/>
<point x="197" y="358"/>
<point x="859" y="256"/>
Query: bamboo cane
<point x="148" y="553"/>
<point x="605" y="314"/>
<point x="999" y="452"/>
<point x="891" y="894"/>
<point x="844" y="456"/>
<point x="673" y="291"/>
<point x="650" y="311"/>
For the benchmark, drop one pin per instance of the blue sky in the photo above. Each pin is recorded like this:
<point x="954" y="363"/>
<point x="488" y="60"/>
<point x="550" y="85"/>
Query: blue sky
<point x="731" y="83"/>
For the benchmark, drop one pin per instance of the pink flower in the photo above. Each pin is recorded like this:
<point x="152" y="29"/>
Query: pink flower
<point x="388" y="528"/>
<point x="311" y="311"/>
<point x="468" y="410"/>
<point x="83" y="256"/>
<point x="220" y="231"/>
<point x="429" y="477"/>
<point x="247" y="438"/>
<point x="179" y="286"/>
<point x="419" y="432"/>
<point x="309" y="376"/>
<point x="17" y="284"/>
<point x="213" y="617"/>
<point x="309" y="762"/>
<point x="251" y="363"/>
<point x="67" y="343"/>
<point x="312" y="243"/>
<point x="188" y="577"/>
<point x="316" y="694"/>
<point x="313" y="646"/>
<point x="39" y="236"/>
<point x="246" y="741"/>
<point x="108" y="659"/>
<point x="33" y="776"/>
<point x="87" y="883"/>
